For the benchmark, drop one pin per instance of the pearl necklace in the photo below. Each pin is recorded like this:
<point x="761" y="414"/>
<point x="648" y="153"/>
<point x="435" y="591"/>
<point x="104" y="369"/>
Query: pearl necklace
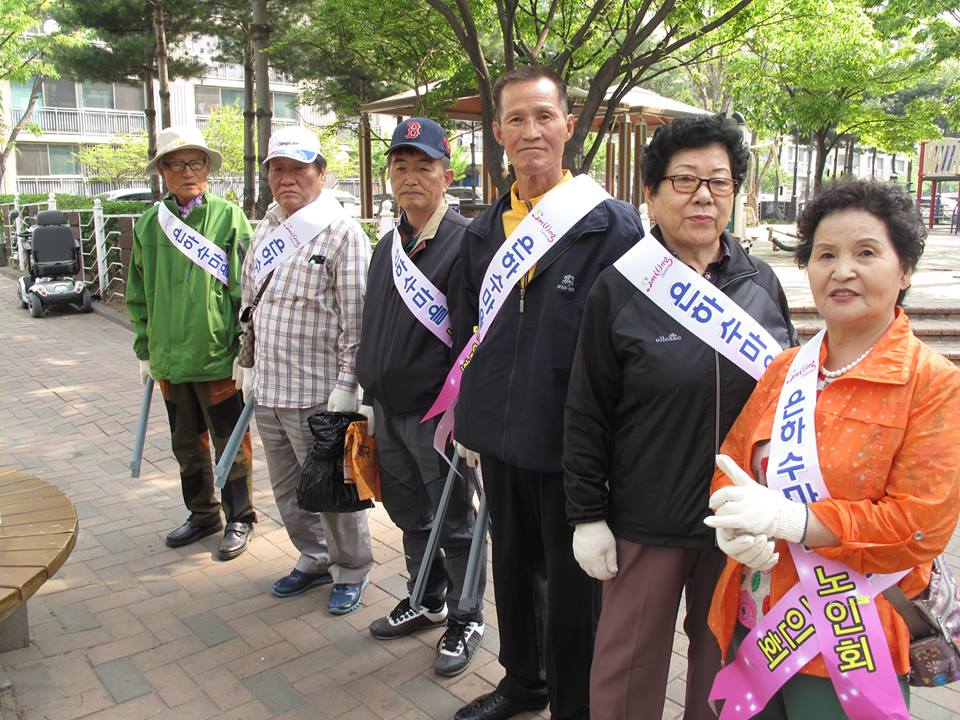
<point x="833" y="374"/>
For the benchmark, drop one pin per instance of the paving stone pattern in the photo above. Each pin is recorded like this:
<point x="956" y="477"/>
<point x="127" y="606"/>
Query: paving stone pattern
<point x="131" y="629"/>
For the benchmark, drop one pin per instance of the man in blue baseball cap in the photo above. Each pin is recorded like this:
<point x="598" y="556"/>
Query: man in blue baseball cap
<point x="405" y="352"/>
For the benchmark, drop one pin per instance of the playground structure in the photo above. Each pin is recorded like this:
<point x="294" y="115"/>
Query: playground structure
<point x="939" y="162"/>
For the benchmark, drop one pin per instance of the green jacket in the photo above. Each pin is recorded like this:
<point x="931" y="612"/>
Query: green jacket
<point x="184" y="319"/>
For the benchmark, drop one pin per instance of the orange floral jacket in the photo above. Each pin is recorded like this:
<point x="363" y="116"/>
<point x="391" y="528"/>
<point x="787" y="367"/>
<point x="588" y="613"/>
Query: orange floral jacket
<point x="888" y="437"/>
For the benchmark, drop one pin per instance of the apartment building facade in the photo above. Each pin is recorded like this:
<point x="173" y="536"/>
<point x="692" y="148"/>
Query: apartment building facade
<point x="73" y="112"/>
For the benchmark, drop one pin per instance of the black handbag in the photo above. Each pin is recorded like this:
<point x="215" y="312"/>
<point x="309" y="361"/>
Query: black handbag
<point x="321" y="487"/>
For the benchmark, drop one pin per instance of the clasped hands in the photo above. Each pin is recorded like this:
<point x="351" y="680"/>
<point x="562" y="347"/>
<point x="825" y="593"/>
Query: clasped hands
<point x="749" y="516"/>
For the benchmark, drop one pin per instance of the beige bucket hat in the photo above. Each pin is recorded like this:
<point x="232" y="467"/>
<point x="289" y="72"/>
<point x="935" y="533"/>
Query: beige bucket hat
<point x="183" y="137"/>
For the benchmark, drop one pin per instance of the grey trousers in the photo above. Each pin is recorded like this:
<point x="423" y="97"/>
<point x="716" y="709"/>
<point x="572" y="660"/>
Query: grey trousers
<point x="412" y="476"/>
<point x="338" y="543"/>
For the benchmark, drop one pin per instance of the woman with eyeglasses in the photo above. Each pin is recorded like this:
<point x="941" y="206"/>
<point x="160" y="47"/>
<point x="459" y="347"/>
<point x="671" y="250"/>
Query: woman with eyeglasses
<point x="652" y="395"/>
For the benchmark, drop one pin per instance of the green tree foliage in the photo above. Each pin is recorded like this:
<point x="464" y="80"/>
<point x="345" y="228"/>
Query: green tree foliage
<point x="459" y="162"/>
<point x="353" y="51"/>
<point x="116" y="162"/>
<point x="123" y="47"/>
<point x="834" y="73"/>
<point x="224" y="133"/>
<point x="26" y="49"/>
<point x="604" y="47"/>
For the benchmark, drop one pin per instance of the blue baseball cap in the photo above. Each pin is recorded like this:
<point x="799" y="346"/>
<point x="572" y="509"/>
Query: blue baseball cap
<point x="421" y="134"/>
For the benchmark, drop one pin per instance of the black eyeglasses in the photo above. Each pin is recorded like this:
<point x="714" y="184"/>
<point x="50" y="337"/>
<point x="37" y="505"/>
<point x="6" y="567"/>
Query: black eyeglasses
<point x="178" y="166"/>
<point x="689" y="184"/>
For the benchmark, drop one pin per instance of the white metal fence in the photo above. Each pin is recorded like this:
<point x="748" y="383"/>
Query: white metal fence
<point x="102" y="252"/>
<point x="102" y="268"/>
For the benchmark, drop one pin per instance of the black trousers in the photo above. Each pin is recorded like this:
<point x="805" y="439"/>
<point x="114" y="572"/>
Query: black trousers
<point x="547" y="607"/>
<point x="412" y="477"/>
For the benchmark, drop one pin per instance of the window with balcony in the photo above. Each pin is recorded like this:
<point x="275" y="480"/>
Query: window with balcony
<point x="128" y="97"/>
<point x="20" y="94"/>
<point x="62" y="160"/>
<point x="46" y="159"/>
<point x="284" y="106"/>
<point x="112" y="96"/>
<point x="60" y="93"/>
<point x="206" y="98"/>
<point x="98" y="95"/>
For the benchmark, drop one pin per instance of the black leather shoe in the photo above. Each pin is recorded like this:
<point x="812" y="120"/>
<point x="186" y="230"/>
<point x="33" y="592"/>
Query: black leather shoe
<point x="494" y="706"/>
<point x="235" y="539"/>
<point x="188" y="533"/>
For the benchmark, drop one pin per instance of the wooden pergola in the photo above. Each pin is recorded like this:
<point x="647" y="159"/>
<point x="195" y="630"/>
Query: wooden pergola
<point x="638" y="112"/>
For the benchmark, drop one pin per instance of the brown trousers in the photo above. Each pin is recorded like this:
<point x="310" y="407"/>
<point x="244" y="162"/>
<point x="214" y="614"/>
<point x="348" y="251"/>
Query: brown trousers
<point x="631" y="658"/>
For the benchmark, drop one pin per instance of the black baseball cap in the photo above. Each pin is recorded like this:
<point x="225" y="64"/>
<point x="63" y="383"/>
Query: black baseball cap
<point x="421" y="134"/>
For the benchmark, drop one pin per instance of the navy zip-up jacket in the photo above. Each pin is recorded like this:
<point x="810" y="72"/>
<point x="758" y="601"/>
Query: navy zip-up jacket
<point x="399" y="362"/>
<point x="513" y="392"/>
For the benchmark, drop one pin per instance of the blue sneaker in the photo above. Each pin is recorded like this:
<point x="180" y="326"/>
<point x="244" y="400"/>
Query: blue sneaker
<point x="345" y="597"/>
<point x="297" y="582"/>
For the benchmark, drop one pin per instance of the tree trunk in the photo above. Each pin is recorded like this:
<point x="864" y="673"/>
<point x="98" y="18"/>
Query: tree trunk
<point x="848" y="160"/>
<point x="260" y="34"/>
<point x="777" y="176"/>
<point x="820" y="140"/>
<point x="164" y="79"/>
<point x="249" y="135"/>
<point x="753" y="197"/>
<point x="10" y="144"/>
<point x="150" y="113"/>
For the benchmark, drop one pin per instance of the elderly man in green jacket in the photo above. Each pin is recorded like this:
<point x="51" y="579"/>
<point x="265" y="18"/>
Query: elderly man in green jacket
<point x="183" y="295"/>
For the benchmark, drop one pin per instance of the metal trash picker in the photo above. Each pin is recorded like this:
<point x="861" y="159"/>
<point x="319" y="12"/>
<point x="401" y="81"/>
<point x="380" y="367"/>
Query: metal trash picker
<point x="141" y="435"/>
<point x="470" y="599"/>
<point x="416" y="597"/>
<point x="233" y="444"/>
<point x="472" y="575"/>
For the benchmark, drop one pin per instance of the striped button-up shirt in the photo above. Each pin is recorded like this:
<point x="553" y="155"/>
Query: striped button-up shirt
<point x="307" y="325"/>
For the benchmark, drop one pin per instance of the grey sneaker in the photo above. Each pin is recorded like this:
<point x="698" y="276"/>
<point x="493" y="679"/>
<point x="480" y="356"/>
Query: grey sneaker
<point x="404" y="620"/>
<point x="457" y="646"/>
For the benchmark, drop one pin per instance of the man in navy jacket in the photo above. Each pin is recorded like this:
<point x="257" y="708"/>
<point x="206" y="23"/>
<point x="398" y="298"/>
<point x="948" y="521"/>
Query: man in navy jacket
<point x="401" y="365"/>
<point x="510" y="408"/>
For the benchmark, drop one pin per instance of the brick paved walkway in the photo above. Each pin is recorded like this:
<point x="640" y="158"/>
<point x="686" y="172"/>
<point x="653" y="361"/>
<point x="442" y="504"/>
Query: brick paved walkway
<point x="131" y="629"/>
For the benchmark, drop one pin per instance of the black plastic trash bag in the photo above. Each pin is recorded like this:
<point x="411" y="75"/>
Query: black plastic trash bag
<point x="321" y="487"/>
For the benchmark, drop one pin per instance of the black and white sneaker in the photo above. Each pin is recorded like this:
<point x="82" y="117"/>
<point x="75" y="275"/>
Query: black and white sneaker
<point x="404" y="620"/>
<point x="457" y="646"/>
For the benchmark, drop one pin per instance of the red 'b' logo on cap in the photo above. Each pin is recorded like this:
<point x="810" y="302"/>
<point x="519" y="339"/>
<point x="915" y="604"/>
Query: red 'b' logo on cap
<point x="413" y="130"/>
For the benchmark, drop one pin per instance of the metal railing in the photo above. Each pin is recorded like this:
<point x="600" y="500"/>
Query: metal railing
<point x="101" y="266"/>
<point x="72" y="121"/>
<point x="37" y="184"/>
<point x="276" y="123"/>
<point x="233" y="71"/>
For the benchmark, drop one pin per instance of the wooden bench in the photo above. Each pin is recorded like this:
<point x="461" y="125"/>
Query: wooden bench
<point x="38" y="529"/>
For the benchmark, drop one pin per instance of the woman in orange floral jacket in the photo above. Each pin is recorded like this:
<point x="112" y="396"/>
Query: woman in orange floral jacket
<point x="887" y="433"/>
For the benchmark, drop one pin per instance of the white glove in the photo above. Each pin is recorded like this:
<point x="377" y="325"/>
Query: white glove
<point x="342" y="401"/>
<point x="144" y="371"/>
<point x="595" y="549"/>
<point x="754" y="551"/>
<point x="367" y="412"/>
<point x="243" y="379"/>
<point x="472" y="458"/>
<point x="755" y="509"/>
